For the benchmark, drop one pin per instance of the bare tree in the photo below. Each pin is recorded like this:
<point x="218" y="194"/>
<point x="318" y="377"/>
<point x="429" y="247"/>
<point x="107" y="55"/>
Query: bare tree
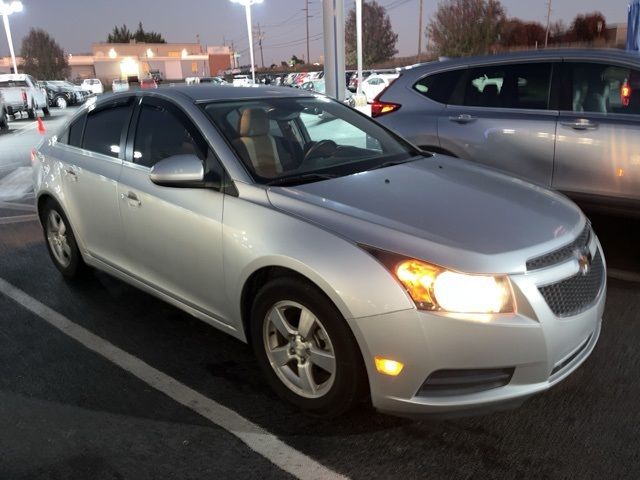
<point x="43" y="57"/>
<point x="378" y="39"/>
<point x="466" y="27"/>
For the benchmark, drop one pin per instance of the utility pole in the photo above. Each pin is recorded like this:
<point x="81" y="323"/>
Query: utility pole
<point x="260" y="36"/>
<point x="306" y="16"/>
<point x="546" y="37"/>
<point x="420" y="32"/>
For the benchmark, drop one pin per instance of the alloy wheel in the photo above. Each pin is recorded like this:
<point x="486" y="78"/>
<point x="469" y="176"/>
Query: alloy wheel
<point x="57" y="238"/>
<point x="299" y="349"/>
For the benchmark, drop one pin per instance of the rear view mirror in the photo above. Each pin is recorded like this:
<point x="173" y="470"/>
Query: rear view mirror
<point x="178" y="171"/>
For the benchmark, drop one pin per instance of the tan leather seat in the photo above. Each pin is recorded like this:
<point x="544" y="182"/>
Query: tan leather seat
<point x="260" y="147"/>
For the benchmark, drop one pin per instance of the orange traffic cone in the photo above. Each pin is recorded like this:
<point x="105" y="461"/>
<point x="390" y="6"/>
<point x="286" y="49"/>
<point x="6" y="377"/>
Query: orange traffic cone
<point x="41" y="128"/>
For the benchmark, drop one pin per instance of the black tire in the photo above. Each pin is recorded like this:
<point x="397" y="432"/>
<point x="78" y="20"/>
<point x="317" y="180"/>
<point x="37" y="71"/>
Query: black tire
<point x="45" y="111"/>
<point x="350" y="385"/>
<point x="76" y="266"/>
<point x="4" y="122"/>
<point x="31" y="112"/>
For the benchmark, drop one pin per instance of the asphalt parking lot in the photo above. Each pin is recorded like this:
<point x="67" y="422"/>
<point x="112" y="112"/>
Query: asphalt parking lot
<point x="78" y="401"/>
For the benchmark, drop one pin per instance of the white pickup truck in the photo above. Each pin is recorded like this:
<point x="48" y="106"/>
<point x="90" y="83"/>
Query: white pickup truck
<point x="22" y="94"/>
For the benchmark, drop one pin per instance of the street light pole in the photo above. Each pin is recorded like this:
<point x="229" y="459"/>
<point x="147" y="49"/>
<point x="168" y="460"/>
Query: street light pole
<point x="247" y="7"/>
<point x="7" y="9"/>
<point x="359" y="45"/>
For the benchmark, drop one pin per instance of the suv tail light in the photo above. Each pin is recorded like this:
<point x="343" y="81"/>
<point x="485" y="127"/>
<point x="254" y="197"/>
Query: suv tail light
<point x="378" y="107"/>
<point x="24" y="95"/>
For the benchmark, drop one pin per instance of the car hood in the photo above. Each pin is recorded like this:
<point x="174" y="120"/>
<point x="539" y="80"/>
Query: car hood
<point x="443" y="210"/>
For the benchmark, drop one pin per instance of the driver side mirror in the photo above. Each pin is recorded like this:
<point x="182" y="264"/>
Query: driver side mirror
<point x="178" y="171"/>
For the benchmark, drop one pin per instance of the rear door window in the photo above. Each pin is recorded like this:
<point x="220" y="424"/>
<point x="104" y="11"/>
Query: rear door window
<point x="521" y="86"/>
<point x="104" y="127"/>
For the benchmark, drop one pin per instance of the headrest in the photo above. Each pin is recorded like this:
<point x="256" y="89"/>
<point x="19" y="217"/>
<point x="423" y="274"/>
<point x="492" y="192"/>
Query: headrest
<point x="254" y="123"/>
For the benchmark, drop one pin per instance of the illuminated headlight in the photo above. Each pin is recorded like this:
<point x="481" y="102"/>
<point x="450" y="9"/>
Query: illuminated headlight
<point x="435" y="288"/>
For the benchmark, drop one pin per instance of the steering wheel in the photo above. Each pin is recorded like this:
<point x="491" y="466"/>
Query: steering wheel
<point x="323" y="147"/>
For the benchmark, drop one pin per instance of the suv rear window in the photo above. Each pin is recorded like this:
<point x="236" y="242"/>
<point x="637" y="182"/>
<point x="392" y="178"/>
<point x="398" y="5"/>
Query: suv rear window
<point x="439" y="86"/>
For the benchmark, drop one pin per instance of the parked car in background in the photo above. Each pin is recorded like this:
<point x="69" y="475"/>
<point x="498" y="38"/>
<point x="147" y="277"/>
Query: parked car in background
<point x="357" y="266"/>
<point x="242" y="80"/>
<point x="212" y="80"/>
<point x="566" y="119"/>
<point x="4" y="116"/>
<point x="61" y="94"/>
<point x="147" y="83"/>
<point x="119" y="85"/>
<point x="21" y="93"/>
<point x="156" y="75"/>
<point x="353" y="81"/>
<point x="374" y="84"/>
<point x="94" y="85"/>
<point x="319" y="86"/>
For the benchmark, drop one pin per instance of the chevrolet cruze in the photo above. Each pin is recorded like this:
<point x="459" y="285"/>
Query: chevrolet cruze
<point x="357" y="266"/>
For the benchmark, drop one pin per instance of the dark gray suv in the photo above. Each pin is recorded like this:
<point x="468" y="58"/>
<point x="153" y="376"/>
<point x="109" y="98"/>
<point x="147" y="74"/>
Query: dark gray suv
<point x="566" y="119"/>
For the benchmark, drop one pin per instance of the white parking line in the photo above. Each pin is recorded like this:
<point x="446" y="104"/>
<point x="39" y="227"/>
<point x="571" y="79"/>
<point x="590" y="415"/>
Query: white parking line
<point x="255" y="437"/>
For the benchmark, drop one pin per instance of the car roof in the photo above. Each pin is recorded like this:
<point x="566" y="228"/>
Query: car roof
<point x="203" y="93"/>
<point x="604" y="54"/>
<point x="13" y="76"/>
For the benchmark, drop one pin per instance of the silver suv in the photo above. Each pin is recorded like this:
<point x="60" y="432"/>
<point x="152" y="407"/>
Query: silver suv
<point x="566" y="119"/>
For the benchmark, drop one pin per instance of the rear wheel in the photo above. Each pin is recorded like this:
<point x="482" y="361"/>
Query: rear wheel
<point x="45" y="111"/>
<point x="4" y="122"/>
<point x="31" y="112"/>
<point x="306" y="349"/>
<point x="61" y="242"/>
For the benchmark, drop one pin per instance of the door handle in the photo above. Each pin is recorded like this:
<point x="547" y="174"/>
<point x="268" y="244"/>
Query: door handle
<point x="581" y="124"/>
<point x="72" y="174"/>
<point x="463" y="118"/>
<point x="131" y="198"/>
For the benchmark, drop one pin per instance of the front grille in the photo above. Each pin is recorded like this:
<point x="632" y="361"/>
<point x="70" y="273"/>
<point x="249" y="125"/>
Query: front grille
<point x="444" y="383"/>
<point x="562" y="254"/>
<point x="575" y="294"/>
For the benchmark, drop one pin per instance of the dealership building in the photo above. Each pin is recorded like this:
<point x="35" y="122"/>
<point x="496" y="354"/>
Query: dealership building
<point x="173" y="61"/>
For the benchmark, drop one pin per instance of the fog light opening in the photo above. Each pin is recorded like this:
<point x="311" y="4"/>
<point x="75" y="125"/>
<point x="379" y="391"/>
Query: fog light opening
<point x="386" y="366"/>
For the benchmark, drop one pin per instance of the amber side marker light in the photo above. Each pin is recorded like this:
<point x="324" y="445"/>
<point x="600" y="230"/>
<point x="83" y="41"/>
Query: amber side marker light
<point x="388" y="366"/>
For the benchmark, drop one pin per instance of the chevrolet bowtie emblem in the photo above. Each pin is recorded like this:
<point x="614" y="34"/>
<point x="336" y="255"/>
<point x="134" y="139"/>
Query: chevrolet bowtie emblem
<point x="584" y="260"/>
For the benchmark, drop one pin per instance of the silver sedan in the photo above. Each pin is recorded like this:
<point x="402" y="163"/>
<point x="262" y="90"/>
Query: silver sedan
<point x="357" y="266"/>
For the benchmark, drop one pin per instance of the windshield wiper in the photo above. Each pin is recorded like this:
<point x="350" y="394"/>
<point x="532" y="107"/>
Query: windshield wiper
<point x="300" y="179"/>
<point x="392" y="163"/>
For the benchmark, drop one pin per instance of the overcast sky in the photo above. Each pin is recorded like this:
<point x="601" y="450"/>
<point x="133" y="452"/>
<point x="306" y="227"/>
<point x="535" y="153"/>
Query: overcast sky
<point x="75" y="24"/>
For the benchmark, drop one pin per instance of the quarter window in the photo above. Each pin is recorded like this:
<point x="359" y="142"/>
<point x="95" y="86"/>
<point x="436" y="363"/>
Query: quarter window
<point x="602" y="88"/>
<point x="104" y="128"/>
<point x="75" y="132"/>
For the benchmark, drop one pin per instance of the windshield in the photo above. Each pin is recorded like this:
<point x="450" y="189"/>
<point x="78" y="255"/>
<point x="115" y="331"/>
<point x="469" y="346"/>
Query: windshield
<point x="278" y="138"/>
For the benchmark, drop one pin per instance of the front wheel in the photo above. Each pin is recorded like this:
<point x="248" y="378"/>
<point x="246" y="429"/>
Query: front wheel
<point x="45" y="111"/>
<point x="306" y="349"/>
<point x="4" y="122"/>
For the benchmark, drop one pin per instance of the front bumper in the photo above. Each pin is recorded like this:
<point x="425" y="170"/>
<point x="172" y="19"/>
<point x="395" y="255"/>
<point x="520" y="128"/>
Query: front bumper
<point x="539" y="349"/>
